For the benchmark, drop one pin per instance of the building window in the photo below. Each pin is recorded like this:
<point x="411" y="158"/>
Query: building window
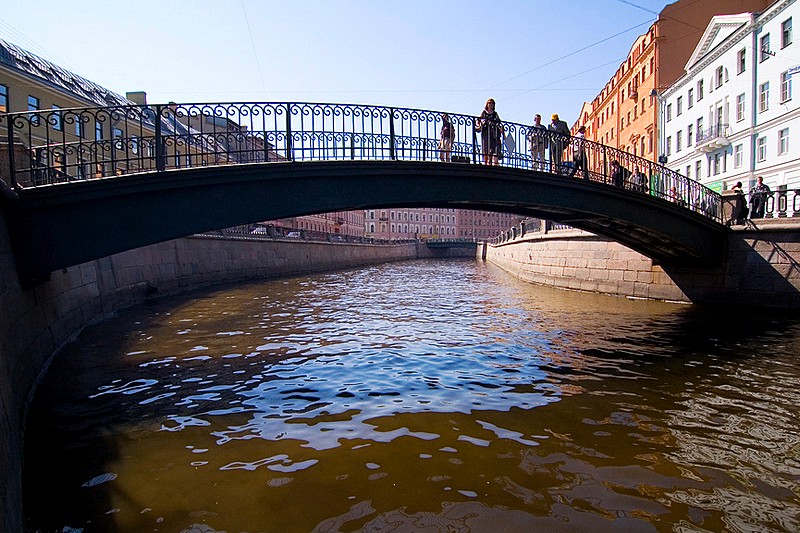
<point x="697" y="169"/>
<point x="718" y="78"/>
<point x="783" y="141"/>
<point x="786" y="87"/>
<point x="55" y="118"/>
<point x="33" y="105"/>
<point x="79" y="127"/>
<point x="3" y="98"/>
<point x="764" y="50"/>
<point x="650" y="142"/>
<point x="741" y="61"/>
<point x="699" y="129"/>
<point x="679" y="141"/>
<point x="763" y="96"/>
<point x="679" y="106"/>
<point x="689" y="135"/>
<point x="740" y="108"/>
<point x="690" y="99"/>
<point x="98" y="131"/>
<point x="717" y="160"/>
<point x="761" y="149"/>
<point x="699" y="90"/>
<point x="737" y="155"/>
<point x="786" y="33"/>
<point x="118" y="134"/>
<point x="669" y="146"/>
<point x="669" y="112"/>
<point x="689" y="171"/>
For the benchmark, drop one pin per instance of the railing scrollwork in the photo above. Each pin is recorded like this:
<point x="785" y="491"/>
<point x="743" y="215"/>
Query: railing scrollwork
<point x="63" y="145"/>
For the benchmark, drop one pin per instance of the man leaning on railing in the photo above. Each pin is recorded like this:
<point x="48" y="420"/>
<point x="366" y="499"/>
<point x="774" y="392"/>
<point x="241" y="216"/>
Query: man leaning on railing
<point x="758" y="198"/>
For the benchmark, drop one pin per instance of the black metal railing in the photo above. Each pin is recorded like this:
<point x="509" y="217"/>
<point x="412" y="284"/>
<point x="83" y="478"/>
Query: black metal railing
<point x="62" y="145"/>
<point x="711" y="133"/>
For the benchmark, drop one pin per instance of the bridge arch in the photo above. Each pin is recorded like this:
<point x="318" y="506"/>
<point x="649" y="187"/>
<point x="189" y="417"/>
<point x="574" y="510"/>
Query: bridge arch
<point x="167" y="171"/>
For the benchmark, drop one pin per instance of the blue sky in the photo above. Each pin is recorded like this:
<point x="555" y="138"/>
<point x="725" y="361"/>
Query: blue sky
<point x="431" y="54"/>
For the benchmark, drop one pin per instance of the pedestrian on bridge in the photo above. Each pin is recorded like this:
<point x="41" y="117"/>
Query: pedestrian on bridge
<point x="579" y="161"/>
<point x="491" y="129"/>
<point x="618" y="174"/>
<point x="446" y="138"/>
<point x="558" y="142"/>
<point x="537" y="137"/>
<point x="639" y="181"/>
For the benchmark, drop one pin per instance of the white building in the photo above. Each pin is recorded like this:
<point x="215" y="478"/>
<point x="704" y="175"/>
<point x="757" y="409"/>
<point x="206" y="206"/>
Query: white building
<point x="732" y="116"/>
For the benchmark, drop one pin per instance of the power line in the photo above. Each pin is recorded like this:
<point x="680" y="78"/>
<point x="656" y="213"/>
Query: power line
<point x="23" y="40"/>
<point x="637" y="6"/>
<point x="565" y="78"/>
<point x="253" y="45"/>
<point x="601" y="41"/>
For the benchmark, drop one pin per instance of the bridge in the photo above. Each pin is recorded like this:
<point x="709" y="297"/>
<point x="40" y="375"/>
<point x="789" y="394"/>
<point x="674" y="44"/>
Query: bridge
<point x="90" y="182"/>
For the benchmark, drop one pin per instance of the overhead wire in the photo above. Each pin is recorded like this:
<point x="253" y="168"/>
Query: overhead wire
<point x="253" y="45"/>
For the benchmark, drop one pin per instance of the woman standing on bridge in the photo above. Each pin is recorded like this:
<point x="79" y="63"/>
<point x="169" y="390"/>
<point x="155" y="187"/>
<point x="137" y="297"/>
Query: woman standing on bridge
<point x="491" y="133"/>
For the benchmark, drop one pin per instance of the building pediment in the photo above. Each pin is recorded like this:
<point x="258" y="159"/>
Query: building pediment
<point x="718" y="30"/>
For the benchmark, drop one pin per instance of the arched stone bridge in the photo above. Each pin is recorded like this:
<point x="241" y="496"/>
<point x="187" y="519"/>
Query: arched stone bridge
<point x="90" y="182"/>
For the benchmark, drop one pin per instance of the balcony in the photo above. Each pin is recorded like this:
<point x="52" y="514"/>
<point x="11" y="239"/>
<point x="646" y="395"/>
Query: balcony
<point x="713" y="138"/>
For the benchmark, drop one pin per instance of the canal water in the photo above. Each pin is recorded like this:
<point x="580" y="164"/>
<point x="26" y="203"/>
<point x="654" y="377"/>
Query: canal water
<point x="419" y="397"/>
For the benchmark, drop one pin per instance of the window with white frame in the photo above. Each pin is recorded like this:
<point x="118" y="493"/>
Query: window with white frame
<point x="738" y="154"/>
<point x="698" y="167"/>
<point x="764" y="50"/>
<point x="786" y="32"/>
<point x="678" y="140"/>
<point x="690" y="99"/>
<point x="740" y="108"/>
<point x="669" y="146"/>
<point x="679" y="106"/>
<point x="689" y="171"/>
<point x="718" y="76"/>
<point x="689" y="135"/>
<point x="786" y="86"/>
<point x="699" y="128"/>
<point x="763" y="96"/>
<point x="669" y="112"/>
<point x="699" y="90"/>
<point x="783" y="141"/>
<point x="761" y="149"/>
<point x="741" y="61"/>
<point x="717" y="161"/>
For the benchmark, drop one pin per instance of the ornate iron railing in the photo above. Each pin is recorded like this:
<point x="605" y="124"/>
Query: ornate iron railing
<point x="62" y="145"/>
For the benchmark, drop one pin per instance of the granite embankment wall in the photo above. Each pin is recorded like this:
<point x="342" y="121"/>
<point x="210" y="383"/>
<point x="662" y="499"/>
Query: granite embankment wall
<point x="761" y="267"/>
<point x="34" y="323"/>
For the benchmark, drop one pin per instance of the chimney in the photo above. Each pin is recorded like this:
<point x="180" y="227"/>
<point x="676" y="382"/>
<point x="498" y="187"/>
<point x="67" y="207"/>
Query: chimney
<point x="138" y="97"/>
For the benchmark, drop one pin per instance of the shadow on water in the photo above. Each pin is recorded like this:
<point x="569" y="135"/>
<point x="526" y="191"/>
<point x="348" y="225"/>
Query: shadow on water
<point x="617" y="381"/>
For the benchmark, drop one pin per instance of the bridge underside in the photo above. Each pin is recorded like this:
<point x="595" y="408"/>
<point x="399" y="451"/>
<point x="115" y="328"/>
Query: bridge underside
<point x="64" y="225"/>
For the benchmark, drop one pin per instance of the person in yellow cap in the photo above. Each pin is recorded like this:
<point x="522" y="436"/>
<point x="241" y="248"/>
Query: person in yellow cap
<point x="559" y="137"/>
